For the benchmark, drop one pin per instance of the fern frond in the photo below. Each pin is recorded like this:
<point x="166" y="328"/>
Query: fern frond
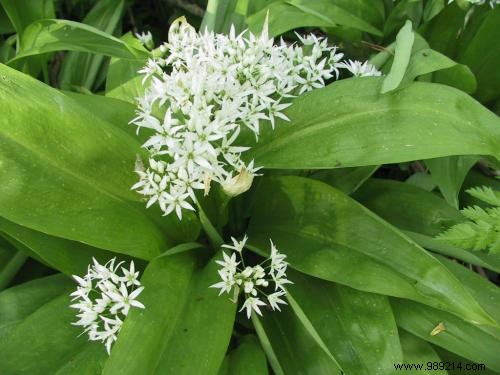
<point x="482" y="230"/>
<point x="486" y="194"/>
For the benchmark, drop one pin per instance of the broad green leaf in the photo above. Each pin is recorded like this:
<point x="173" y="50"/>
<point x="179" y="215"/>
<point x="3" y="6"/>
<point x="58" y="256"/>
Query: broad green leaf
<point x="221" y="14"/>
<point x="408" y="207"/>
<point x="356" y="323"/>
<point x="328" y="235"/>
<point x="422" y="216"/>
<point x="482" y="259"/>
<point x="81" y="69"/>
<point x="432" y="9"/>
<point x="417" y="351"/>
<point x="72" y="172"/>
<point x="465" y="339"/>
<point x="41" y="339"/>
<point x="353" y="125"/>
<point x="6" y="26"/>
<point x="484" y="291"/>
<point x="347" y="180"/>
<point x="19" y="302"/>
<point x="185" y="327"/>
<point x="481" y="55"/>
<point x="248" y="358"/>
<point x="449" y="174"/>
<point x="360" y="15"/>
<point x="292" y="14"/>
<point x="404" y="44"/>
<point x="284" y="17"/>
<point x="23" y="12"/>
<point x="62" y="35"/>
<point x="447" y="71"/>
<point x="123" y="80"/>
<point x="69" y="257"/>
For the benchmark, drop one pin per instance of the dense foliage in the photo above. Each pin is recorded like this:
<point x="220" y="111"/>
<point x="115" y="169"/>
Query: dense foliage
<point x="324" y="202"/>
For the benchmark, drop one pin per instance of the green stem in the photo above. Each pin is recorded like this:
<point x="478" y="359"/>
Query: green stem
<point x="266" y="345"/>
<point x="11" y="269"/>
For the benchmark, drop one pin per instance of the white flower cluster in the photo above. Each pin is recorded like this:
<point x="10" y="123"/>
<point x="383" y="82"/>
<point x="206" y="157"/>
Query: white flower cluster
<point x="253" y="281"/>
<point x="202" y="92"/>
<point x="360" y="69"/>
<point x="104" y="299"/>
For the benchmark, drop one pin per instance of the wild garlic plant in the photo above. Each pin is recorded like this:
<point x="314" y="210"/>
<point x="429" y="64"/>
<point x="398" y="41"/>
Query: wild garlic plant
<point x="262" y="284"/>
<point x="202" y="92"/>
<point x="104" y="297"/>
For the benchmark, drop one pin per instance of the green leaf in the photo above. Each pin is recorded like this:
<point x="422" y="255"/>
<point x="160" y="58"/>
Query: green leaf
<point x="484" y="291"/>
<point x="62" y="35"/>
<point x="408" y="207"/>
<point x="284" y="17"/>
<point x="422" y="216"/>
<point x="185" y="327"/>
<point x="248" y="358"/>
<point x="347" y="180"/>
<point x="23" y="12"/>
<point x="39" y="338"/>
<point x="69" y="257"/>
<point x="356" y="323"/>
<point x="328" y="235"/>
<point x="418" y="351"/>
<point x="449" y="174"/>
<point x="481" y="55"/>
<point x="11" y="267"/>
<point x="432" y="9"/>
<point x="220" y="15"/>
<point x="6" y="26"/>
<point x="404" y="44"/>
<point x="474" y="342"/>
<point x="81" y="69"/>
<point x="426" y="61"/>
<point x="292" y="14"/>
<point x="122" y="81"/>
<point x="72" y="172"/>
<point x="422" y="121"/>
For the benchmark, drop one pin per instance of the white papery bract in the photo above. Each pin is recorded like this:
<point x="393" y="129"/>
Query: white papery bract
<point x="360" y="69"/>
<point x="259" y="283"/>
<point x="104" y="297"/>
<point x="202" y="91"/>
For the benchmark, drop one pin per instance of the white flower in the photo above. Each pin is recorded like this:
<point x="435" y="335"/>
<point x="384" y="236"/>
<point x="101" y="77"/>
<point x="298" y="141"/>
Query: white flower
<point x="360" y="69"/>
<point x="237" y="245"/>
<point x="202" y="91"/>
<point x="253" y="280"/>
<point x="145" y="38"/>
<point x="252" y="303"/>
<point x="122" y="300"/>
<point x="274" y="300"/>
<point x="130" y="276"/>
<point x="103" y="306"/>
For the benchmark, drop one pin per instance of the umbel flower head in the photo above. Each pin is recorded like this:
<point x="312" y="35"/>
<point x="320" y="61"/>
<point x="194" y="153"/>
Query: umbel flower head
<point x="262" y="285"/>
<point x="104" y="297"/>
<point x="202" y="92"/>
